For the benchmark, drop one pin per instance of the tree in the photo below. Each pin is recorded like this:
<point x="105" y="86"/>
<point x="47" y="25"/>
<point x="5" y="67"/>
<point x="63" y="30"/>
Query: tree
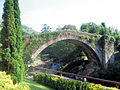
<point x="19" y="44"/>
<point x="84" y="27"/>
<point x="12" y="40"/>
<point x="69" y="27"/>
<point x="46" y="28"/>
<point x="90" y="27"/>
<point x="104" y="30"/>
<point x="103" y="24"/>
<point x="7" y="32"/>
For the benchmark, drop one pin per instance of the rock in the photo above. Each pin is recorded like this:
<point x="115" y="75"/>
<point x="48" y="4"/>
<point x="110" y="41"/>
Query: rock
<point x="80" y="67"/>
<point x="90" y="68"/>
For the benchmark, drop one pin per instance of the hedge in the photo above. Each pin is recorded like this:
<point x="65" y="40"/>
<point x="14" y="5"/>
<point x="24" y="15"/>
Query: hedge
<point x="65" y="84"/>
<point x="6" y="83"/>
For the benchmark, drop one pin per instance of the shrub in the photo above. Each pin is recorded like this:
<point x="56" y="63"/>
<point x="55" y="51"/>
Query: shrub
<point x="7" y="84"/>
<point x="64" y="84"/>
<point x="111" y="73"/>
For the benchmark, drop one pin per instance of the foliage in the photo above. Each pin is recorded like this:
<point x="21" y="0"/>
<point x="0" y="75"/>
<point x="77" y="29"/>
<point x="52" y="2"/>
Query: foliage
<point x="46" y="29"/>
<point x="61" y="47"/>
<point x="12" y="40"/>
<point x="93" y="28"/>
<point x="112" y="73"/>
<point x="56" y="50"/>
<point x="73" y="59"/>
<point x="73" y="27"/>
<point x="28" y="31"/>
<point x="8" y="33"/>
<point x="25" y="30"/>
<point x="19" y="69"/>
<point x="7" y="84"/>
<point x="64" y="84"/>
<point x="33" y="42"/>
<point x="101" y="30"/>
<point x="90" y="27"/>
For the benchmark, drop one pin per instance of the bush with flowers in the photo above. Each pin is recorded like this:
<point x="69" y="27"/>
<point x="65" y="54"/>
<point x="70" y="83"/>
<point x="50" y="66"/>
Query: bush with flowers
<point x="7" y="84"/>
<point x="64" y="84"/>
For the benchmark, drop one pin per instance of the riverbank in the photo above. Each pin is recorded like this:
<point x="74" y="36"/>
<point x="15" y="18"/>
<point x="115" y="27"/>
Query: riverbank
<point x="48" y="63"/>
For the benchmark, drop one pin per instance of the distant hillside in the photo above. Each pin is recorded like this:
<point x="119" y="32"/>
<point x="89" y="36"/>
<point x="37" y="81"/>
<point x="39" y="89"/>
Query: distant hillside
<point x="28" y="31"/>
<point x="25" y="30"/>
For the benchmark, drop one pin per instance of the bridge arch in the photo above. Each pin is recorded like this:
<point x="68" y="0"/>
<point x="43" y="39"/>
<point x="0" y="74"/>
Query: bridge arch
<point x="93" y="53"/>
<point x="90" y="52"/>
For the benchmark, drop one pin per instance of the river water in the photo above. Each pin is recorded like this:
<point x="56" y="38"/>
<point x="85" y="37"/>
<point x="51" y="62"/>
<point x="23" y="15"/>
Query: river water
<point x="49" y="65"/>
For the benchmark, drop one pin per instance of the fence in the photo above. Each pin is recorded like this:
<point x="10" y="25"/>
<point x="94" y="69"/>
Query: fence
<point x="81" y="76"/>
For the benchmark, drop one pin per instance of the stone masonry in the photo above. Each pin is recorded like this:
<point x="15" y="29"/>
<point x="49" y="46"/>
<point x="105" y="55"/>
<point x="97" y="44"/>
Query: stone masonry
<point x="97" y="48"/>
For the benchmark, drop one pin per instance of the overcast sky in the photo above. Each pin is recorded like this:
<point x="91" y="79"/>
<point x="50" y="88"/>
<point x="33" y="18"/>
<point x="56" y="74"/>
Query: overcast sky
<point x="35" y="13"/>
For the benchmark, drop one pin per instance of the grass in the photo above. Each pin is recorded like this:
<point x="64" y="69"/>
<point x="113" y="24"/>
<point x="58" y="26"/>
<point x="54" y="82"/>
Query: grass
<point x="36" y="86"/>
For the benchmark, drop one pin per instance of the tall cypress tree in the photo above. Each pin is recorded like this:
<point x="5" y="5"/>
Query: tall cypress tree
<point x="19" y="44"/>
<point x="12" y="40"/>
<point x="8" y="36"/>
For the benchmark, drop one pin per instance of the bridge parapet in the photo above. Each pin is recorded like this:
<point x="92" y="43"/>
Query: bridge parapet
<point x="75" y="33"/>
<point x="91" y="39"/>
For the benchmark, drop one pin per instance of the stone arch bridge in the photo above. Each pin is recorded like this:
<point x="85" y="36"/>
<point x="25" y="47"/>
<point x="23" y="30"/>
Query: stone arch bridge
<point x="98" y="48"/>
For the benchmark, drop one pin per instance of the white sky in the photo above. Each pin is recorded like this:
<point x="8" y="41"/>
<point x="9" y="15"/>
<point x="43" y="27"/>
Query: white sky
<point x="35" y="13"/>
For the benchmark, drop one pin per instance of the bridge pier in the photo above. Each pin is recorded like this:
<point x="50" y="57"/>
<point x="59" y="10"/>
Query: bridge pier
<point x="108" y="52"/>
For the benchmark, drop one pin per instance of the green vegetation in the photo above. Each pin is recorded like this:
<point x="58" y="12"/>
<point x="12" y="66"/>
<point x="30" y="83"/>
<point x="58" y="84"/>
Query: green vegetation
<point x="96" y="29"/>
<point x="28" y="31"/>
<point x="0" y="25"/>
<point x="101" y="30"/>
<point x="8" y="30"/>
<point x="73" y="27"/>
<point x="18" y="68"/>
<point x="25" y="30"/>
<point x="45" y="29"/>
<point x="12" y="41"/>
<point x="75" y="58"/>
<point x="112" y="73"/>
<point x="71" y="52"/>
<point x="33" y="42"/>
<point x="36" y="86"/>
<point x="7" y="84"/>
<point x="13" y="51"/>
<point x="110" y="34"/>
<point x="64" y="84"/>
<point x="56" y="50"/>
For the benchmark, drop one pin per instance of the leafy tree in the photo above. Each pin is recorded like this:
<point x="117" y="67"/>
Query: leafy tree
<point x="96" y="29"/>
<point x="103" y="29"/>
<point x="90" y="27"/>
<point x="69" y="27"/>
<point x="103" y="24"/>
<point x="84" y="27"/>
<point x="93" y="28"/>
<point x="12" y="40"/>
<point x="116" y="35"/>
<point x="46" y="28"/>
